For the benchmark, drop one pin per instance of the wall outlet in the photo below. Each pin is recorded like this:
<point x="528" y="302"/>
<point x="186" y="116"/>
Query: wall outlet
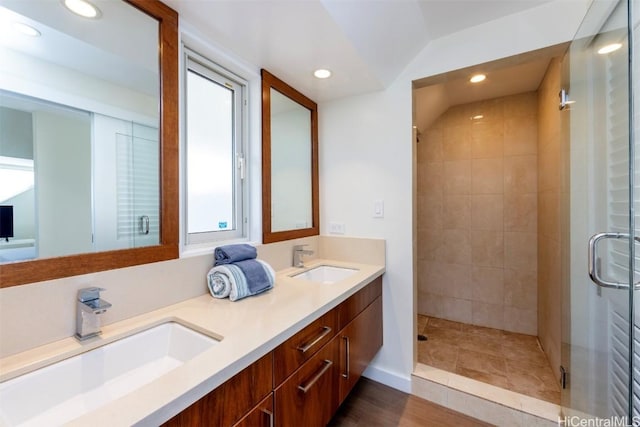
<point x="378" y="208"/>
<point x="336" y="227"/>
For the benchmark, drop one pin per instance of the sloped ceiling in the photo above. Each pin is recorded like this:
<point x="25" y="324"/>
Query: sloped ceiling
<point x="365" y="43"/>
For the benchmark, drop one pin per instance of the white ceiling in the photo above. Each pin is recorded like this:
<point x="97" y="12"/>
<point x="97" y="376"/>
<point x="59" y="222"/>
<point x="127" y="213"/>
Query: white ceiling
<point x="366" y="43"/>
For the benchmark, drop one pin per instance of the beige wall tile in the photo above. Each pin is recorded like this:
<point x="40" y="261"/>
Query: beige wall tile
<point x="457" y="281"/>
<point x="430" y="146"/>
<point x="520" y="135"/>
<point x="521" y="250"/>
<point x="429" y="212"/>
<point x="487" y="212"/>
<point x="457" y="177"/>
<point x="487" y="248"/>
<point x="457" y="212"/>
<point x="520" y="174"/>
<point x="521" y="320"/>
<point x="456" y="309"/>
<point x="524" y="104"/>
<point x="430" y="179"/>
<point x="455" y="247"/>
<point x="549" y="167"/>
<point x="429" y="304"/>
<point x="455" y="142"/>
<point x="488" y="284"/>
<point x="551" y="146"/>
<point x="486" y="139"/>
<point x="549" y="215"/>
<point x="520" y="288"/>
<point x="492" y="110"/>
<point x="487" y="176"/>
<point x="429" y="241"/>
<point x="489" y="315"/>
<point x="433" y="277"/>
<point x="456" y="116"/>
<point x="521" y="212"/>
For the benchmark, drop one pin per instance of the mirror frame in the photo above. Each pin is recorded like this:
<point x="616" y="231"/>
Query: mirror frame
<point x="23" y="272"/>
<point x="269" y="81"/>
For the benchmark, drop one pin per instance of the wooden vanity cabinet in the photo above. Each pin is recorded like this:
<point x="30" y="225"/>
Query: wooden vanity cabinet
<point x="304" y="380"/>
<point x="359" y="342"/>
<point x="231" y="401"/>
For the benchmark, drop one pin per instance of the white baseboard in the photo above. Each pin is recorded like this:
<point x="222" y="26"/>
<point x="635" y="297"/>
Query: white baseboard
<point x="387" y="378"/>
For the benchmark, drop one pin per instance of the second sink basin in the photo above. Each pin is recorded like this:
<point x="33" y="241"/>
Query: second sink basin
<point x="326" y="274"/>
<point x="72" y="387"/>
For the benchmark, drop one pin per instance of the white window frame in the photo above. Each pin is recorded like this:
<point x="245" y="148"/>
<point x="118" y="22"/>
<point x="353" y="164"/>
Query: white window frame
<point x="206" y="68"/>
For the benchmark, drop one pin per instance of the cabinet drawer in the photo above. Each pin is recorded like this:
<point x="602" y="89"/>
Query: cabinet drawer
<point x="310" y="396"/>
<point x="300" y="347"/>
<point x="225" y="405"/>
<point x="359" y="301"/>
<point x="260" y="416"/>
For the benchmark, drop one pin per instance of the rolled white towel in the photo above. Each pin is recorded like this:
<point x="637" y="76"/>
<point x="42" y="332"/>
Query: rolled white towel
<point x="229" y="281"/>
<point x="221" y="280"/>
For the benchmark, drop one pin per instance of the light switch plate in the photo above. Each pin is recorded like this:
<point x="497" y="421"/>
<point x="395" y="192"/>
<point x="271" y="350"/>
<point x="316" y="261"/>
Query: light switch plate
<point x="378" y="208"/>
<point x="336" y="227"/>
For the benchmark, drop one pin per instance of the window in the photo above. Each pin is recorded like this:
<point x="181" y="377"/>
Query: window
<point x="215" y="138"/>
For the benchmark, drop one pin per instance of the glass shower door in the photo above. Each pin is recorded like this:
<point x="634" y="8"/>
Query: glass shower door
<point x="597" y="336"/>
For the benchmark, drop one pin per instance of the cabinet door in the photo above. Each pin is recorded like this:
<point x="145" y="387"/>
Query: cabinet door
<point x="310" y="396"/>
<point x="359" y="343"/>
<point x="260" y="416"/>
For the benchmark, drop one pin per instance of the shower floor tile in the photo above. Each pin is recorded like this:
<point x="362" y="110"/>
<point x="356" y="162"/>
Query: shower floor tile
<point x="505" y="359"/>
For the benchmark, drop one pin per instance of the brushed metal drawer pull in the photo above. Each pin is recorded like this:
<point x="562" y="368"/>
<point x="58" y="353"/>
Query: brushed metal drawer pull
<point x="270" y="415"/>
<point x="305" y="388"/>
<point x="325" y="331"/>
<point x="346" y="373"/>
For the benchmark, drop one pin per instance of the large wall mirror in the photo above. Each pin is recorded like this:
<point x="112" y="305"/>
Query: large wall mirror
<point x="88" y="138"/>
<point x="290" y="201"/>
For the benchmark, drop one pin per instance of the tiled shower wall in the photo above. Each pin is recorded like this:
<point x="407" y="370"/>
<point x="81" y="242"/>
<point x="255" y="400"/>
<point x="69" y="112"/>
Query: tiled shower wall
<point x="553" y="147"/>
<point x="477" y="214"/>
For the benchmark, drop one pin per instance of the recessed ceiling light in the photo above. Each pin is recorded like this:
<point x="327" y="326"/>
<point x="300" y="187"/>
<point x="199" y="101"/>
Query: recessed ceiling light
<point x="25" y="29"/>
<point x="321" y="73"/>
<point x="82" y="8"/>
<point x="609" y="48"/>
<point x="477" y="117"/>
<point x="477" y="78"/>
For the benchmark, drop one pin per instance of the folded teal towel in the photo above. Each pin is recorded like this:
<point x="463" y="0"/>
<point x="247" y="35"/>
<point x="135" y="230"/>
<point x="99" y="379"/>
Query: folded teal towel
<point x="229" y="280"/>
<point x="234" y="253"/>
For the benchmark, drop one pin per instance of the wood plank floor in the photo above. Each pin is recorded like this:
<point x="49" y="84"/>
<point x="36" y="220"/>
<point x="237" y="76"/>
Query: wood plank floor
<point x="372" y="404"/>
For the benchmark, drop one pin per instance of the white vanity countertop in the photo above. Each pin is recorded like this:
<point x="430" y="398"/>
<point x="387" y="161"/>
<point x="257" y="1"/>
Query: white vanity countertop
<point x="249" y="328"/>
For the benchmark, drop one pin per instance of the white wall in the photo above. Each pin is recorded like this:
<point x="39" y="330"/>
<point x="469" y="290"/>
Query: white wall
<point x="366" y="153"/>
<point x="62" y="144"/>
<point x="23" y="214"/>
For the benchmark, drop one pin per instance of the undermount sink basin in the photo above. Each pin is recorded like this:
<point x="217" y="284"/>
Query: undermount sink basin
<point x="326" y="274"/>
<point x="72" y="387"/>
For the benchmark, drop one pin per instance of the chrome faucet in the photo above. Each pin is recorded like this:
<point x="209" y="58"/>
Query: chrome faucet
<point x="89" y="307"/>
<point x="298" y="252"/>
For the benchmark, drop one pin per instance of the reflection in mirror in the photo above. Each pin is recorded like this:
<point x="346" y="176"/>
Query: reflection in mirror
<point x="289" y="162"/>
<point x="79" y="121"/>
<point x="89" y="137"/>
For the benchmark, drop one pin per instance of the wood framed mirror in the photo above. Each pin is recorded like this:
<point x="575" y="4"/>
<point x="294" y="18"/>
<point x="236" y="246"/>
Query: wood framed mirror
<point x="290" y="196"/>
<point x="166" y="245"/>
